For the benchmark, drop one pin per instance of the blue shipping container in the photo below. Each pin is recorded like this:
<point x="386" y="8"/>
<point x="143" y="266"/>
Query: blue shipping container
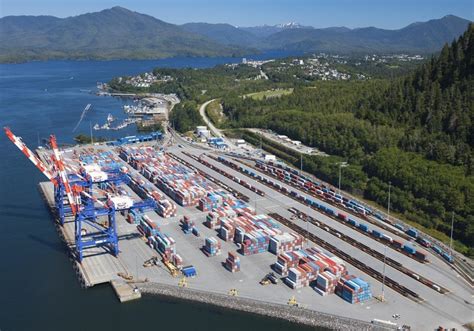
<point x="412" y="233"/>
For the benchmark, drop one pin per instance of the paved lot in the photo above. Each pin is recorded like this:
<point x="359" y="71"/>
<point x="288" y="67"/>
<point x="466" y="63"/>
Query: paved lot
<point x="449" y="310"/>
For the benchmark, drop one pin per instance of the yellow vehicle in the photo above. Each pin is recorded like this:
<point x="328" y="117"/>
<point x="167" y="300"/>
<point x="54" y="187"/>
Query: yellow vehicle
<point x="265" y="281"/>
<point x="183" y="282"/>
<point x="292" y="302"/>
<point x="173" y="270"/>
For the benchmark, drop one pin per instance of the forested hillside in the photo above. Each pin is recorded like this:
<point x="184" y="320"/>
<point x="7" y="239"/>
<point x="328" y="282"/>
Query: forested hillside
<point x="115" y="33"/>
<point x="434" y="104"/>
<point x="415" y="132"/>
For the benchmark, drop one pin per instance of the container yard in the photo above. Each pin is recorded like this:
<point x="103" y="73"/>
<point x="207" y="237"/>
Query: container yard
<point x="204" y="223"/>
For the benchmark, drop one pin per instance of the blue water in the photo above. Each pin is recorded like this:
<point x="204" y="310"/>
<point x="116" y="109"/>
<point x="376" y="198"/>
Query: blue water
<point x="38" y="288"/>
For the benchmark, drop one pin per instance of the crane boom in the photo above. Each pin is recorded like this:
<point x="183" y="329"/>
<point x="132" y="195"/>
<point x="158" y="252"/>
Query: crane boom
<point x="93" y="199"/>
<point x="63" y="175"/>
<point x="30" y="155"/>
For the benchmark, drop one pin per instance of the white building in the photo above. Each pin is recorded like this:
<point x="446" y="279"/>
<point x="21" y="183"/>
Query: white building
<point x="200" y="128"/>
<point x="204" y="133"/>
<point x="240" y="143"/>
<point x="269" y="158"/>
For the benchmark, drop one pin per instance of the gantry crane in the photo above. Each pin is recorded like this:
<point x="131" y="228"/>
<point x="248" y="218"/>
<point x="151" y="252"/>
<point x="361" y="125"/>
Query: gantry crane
<point x="105" y="235"/>
<point x="85" y="212"/>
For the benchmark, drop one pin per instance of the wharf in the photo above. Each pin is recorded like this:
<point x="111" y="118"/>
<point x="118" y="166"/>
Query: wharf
<point x="125" y="291"/>
<point x="213" y="282"/>
<point x="99" y="266"/>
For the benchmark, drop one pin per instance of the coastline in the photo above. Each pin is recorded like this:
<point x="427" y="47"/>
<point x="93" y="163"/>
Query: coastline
<point x="296" y="315"/>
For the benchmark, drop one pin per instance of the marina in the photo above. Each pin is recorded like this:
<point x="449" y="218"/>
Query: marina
<point x="109" y="124"/>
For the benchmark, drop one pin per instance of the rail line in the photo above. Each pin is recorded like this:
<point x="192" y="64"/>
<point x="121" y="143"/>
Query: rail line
<point x="329" y="202"/>
<point x="394" y="264"/>
<point x="236" y="167"/>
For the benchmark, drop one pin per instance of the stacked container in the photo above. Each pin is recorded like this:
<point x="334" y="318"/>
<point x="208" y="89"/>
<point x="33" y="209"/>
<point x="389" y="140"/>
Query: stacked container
<point x="254" y="242"/>
<point x="288" y="260"/>
<point x="182" y="184"/>
<point x="187" y="224"/>
<point x="164" y="208"/>
<point x="353" y="289"/>
<point x="285" y="242"/>
<point x="326" y="283"/>
<point x="212" y="246"/>
<point x="105" y="159"/>
<point x="302" y="275"/>
<point x="215" y="200"/>
<point x="304" y="266"/>
<point x="165" y="245"/>
<point x="148" y="226"/>
<point x="227" y="230"/>
<point x="213" y="219"/>
<point x="232" y="263"/>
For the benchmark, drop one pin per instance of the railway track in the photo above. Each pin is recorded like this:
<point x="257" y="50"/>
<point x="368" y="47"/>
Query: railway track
<point x="389" y="261"/>
<point x="235" y="167"/>
<point x="330" y="202"/>
<point x="394" y="285"/>
<point x="394" y="264"/>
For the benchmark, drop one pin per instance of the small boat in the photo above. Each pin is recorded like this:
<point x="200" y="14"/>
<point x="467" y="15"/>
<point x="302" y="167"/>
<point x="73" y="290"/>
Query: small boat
<point x="110" y="118"/>
<point x="96" y="126"/>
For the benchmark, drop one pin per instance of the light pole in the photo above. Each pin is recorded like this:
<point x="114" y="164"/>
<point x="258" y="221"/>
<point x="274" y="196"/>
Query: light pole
<point x="340" y="173"/>
<point x="341" y="165"/>
<point x="452" y="228"/>
<point x="388" y="205"/>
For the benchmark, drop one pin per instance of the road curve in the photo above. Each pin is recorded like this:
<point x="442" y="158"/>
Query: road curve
<point x="202" y="110"/>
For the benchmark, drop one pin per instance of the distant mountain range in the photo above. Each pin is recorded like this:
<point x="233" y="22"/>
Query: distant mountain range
<point x="120" y="33"/>
<point x="421" y="37"/>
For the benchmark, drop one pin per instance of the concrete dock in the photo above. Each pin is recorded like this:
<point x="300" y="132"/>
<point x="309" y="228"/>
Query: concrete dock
<point x="125" y="291"/>
<point x="213" y="281"/>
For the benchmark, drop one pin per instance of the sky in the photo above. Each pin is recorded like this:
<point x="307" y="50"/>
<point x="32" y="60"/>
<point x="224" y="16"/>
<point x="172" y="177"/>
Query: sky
<point x="388" y="14"/>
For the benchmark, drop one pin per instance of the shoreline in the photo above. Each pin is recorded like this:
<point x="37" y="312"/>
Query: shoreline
<point x="295" y="315"/>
